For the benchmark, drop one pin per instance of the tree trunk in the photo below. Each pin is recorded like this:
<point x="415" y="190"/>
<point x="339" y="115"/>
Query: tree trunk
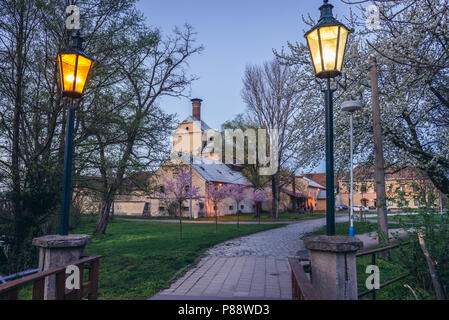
<point x="436" y="281"/>
<point x="216" y="220"/>
<point x="238" y="214"/>
<point x="294" y="203"/>
<point x="103" y="219"/>
<point x="275" y="190"/>
<point x="16" y="199"/>
<point x="180" y="221"/>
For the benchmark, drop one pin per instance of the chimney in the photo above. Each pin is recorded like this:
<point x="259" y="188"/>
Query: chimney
<point x="196" y="108"/>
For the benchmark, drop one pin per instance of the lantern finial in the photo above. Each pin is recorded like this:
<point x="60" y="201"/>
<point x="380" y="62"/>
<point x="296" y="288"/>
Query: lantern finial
<point x="77" y="41"/>
<point x="326" y="10"/>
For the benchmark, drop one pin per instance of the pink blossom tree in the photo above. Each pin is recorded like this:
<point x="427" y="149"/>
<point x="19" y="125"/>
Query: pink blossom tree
<point x="216" y="194"/>
<point x="179" y="190"/>
<point x="259" y="196"/>
<point x="237" y="193"/>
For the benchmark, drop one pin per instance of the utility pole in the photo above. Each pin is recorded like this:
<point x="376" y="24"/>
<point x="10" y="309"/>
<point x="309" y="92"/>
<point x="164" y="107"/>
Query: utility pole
<point x="378" y="154"/>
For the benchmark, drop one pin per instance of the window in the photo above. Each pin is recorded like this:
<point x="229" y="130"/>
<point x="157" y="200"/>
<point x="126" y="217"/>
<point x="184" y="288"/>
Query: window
<point x="187" y="188"/>
<point x="416" y="202"/>
<point x="161" y="209"/>
<point x="242" y="207"/>
<point x="201" y="205"/>
<point x="187" y="128"/>
<point x="390" y="187"/>
<point x="162" y="189"/>
<point x="415" y="188"/>
<point x="363" y="188"/>
<point x="402" y="187"/>
<point x="185" y="208"/>
<point x="231" y="208"/>
<point x="390" y="203"/>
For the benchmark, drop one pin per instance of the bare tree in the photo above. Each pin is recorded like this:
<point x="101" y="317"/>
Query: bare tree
<point x="152" y="67"/>
<point x="276" y="102"/>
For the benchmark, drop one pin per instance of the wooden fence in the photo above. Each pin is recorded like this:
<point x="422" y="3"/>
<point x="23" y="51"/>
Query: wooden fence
<point x="89" y="289"/>
<point x="302" y="288"/>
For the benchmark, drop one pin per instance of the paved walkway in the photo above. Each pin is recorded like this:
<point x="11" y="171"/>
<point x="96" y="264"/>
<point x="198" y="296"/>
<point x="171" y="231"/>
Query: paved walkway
<point x="250" y="267"/>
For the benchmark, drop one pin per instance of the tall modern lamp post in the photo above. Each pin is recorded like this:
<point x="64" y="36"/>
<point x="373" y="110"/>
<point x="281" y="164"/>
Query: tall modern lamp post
<point x="351" y="107"/>
<point x="74" y="67"/>
<point x="327" y="43"/>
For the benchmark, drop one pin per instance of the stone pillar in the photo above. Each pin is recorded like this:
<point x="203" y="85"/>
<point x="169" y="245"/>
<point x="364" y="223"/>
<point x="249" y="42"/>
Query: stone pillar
<point x="55" y="251"/>
<point x="333" y="265"/>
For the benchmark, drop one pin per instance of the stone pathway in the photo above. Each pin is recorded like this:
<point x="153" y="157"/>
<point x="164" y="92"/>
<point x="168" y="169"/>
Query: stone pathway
<point x="250" y="267"/>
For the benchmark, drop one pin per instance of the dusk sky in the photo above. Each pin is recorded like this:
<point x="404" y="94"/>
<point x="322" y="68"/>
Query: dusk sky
<point x="234" y="33"/>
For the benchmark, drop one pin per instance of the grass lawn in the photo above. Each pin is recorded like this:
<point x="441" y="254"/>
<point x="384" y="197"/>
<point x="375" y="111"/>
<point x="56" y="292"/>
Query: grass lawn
<point x="265" y="217"/>
<point x="388" y="269"/>
<point x="417" y="218"/>
<point x="342" y="228"/>
<point x="140" y="258"/>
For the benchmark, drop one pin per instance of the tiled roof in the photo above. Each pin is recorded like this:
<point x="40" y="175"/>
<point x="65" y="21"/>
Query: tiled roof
<point x="319" y="178"/>
<point x="215" y="171"/>
<point x="313" y="183"/>
<point x="203" y="126"/>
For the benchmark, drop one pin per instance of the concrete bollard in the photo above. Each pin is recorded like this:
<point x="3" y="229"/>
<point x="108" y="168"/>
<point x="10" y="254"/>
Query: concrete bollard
<point x="55" y="251"/>
<point x="333" y="265"/>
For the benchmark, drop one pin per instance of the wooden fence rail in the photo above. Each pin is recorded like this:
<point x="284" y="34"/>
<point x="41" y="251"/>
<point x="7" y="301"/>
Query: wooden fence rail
<point x="302" y="288"/>
<point x="10" y="290"/>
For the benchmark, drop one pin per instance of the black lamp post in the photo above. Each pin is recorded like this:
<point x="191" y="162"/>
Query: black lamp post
<point x="74" y="67"/>
<point x="327" y="42"/>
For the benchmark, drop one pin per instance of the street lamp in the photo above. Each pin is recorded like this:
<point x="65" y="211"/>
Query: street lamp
<point x="327" y="43"/>
<point x="351" y="107"/>
<point x="74" y="67"/>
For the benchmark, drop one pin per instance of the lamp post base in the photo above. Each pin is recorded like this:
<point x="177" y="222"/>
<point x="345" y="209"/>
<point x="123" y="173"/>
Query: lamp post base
<point x="56" y="251"/>
<point x="333" y="263"/>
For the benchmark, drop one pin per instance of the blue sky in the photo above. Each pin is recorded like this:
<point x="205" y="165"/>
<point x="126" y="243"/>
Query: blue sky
<point x="234" y="33"/>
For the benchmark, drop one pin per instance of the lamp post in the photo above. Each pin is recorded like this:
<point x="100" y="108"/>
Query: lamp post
<point x="351" y="107"/>
<point x="74" y="67"/>
<point x="327" y="42"/>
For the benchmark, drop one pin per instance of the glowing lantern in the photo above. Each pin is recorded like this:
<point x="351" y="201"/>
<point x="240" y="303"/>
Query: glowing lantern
<point x="327" y="43"/>
<point x="74" y="67"/>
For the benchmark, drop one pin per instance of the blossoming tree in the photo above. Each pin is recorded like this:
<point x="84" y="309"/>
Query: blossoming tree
<point x="216" y="194"/>
<point x="237" y="193"/>
<point x="179" y="190"/>
<point x="259" y="196"/>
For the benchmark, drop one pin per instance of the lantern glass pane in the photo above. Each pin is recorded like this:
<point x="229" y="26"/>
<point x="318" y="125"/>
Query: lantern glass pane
<point x="82" y="72"/>
<point x="329" y="38"/>
<point x="314" y="47"/>
<point x="67" y="74"/>
<point x="341" y="47"/>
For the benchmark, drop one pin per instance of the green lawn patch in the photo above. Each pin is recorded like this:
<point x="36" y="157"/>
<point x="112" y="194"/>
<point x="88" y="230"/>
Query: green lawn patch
<point x="342" y="228"/>
<point x="265" y="217"/>
<point x="140" y="258"/>
<point x="390" y="270"/>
